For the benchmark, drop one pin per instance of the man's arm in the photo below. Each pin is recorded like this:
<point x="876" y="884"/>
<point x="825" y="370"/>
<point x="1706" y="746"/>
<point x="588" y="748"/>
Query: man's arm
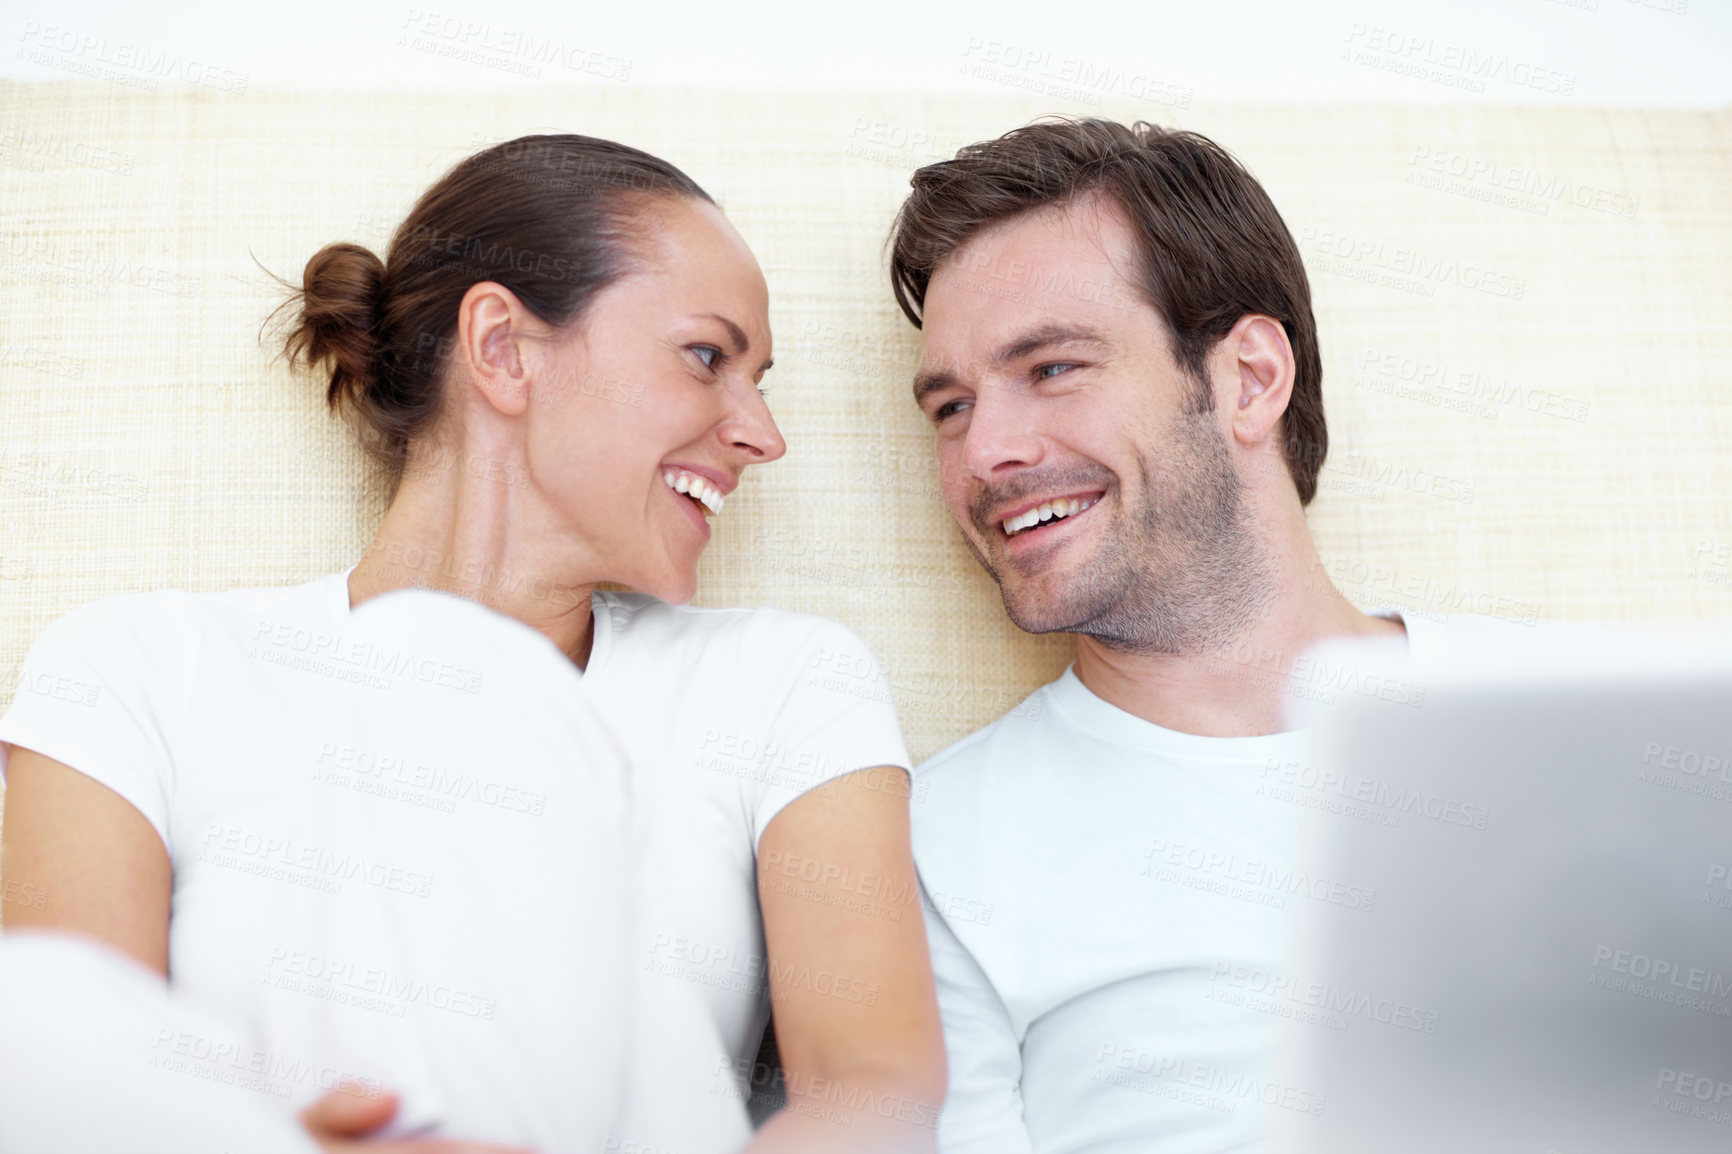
<point x="983" y="1112"/>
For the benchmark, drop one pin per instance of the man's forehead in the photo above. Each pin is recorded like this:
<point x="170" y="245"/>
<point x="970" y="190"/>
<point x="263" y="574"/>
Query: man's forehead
<point x="1069" y="262"/>
<point x="1085" y="230"/>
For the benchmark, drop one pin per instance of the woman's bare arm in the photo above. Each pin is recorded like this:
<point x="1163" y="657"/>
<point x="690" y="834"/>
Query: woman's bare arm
<point x="850" y="979"/>
<point x="97" y="862"/>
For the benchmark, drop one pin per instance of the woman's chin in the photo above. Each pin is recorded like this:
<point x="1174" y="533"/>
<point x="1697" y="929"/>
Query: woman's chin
<point x="684" y="595"/>
<point x="675" y="588"/>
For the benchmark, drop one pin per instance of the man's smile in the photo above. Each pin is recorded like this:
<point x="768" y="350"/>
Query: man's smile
<point x="1030" y="515"/>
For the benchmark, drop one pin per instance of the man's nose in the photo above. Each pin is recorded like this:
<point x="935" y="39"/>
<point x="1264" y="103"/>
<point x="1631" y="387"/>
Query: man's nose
<point x="1002" y="433"/>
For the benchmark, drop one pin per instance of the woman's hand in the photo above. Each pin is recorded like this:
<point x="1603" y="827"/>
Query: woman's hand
<point x="850" y="978"/>
<point x="340" y="1121"/>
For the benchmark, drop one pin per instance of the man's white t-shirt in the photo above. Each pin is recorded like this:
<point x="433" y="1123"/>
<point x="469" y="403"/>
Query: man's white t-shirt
<point x="414" y="843"/>
<point x="1105" y="900"/>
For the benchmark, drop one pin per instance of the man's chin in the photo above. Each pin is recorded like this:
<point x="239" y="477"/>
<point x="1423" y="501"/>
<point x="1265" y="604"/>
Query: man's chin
<point x="1040" y="607"/>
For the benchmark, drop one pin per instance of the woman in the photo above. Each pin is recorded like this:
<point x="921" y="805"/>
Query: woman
<point x="521" y="859"/>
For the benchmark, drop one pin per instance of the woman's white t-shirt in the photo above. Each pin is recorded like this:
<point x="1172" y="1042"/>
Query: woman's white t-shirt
<point x="414" y="843"/>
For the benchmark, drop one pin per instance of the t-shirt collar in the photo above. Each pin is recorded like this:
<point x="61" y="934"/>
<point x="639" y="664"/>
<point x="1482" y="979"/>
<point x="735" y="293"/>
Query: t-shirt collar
<point x="1097" y="715"/>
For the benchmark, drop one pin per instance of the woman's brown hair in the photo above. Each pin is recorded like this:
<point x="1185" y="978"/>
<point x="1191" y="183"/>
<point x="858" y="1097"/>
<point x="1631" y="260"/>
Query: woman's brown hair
<point x="1211" y="245"/>
<point x="548" y="217"/>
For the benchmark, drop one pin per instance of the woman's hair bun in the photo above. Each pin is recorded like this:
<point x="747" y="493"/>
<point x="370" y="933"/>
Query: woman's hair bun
<point x="340" y="306"/>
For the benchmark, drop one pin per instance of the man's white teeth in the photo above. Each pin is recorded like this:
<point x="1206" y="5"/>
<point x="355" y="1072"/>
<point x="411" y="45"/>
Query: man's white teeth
<point x="693" y="485"/>
<point x="1049" y="511"/>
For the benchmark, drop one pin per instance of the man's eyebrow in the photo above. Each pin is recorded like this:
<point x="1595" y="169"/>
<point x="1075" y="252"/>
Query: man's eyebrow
<point x="932" y="380"/>
<point x="737" y="335"/>
<point x="1053" y="334"/>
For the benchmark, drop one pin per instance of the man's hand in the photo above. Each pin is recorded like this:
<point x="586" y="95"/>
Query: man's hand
<point x="341" y="1120"/>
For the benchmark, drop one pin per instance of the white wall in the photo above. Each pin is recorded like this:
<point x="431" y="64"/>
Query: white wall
<point x="1658" y="52"/>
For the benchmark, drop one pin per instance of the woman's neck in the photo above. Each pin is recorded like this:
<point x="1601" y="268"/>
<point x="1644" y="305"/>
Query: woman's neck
<point x="447" y="531"/>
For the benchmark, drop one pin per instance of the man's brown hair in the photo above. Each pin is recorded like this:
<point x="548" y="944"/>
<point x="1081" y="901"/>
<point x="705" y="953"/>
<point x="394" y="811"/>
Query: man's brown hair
<point x="1210" y="244"/>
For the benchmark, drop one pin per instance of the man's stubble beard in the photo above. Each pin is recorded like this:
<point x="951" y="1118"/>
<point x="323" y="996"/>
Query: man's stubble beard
<point x="1183" y="575"/>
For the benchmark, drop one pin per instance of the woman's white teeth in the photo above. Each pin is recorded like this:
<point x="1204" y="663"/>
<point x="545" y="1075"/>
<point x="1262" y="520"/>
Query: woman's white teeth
<point x="1049" y="511"/>
<point x="693" y="485"/>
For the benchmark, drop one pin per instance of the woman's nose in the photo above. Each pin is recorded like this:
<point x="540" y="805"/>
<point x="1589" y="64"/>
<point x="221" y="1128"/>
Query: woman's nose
<point x="752" y="429"/>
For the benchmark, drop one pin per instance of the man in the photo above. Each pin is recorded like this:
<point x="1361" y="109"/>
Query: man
<point x="1121" y="367"/>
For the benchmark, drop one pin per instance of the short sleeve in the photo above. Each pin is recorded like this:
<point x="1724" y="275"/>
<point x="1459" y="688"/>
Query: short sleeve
<point x="983" y="1107"/>
<point x="103" y="690"/>
<point x="836" y="716"/>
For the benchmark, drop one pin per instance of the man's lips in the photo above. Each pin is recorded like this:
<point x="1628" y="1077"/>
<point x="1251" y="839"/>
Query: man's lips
<point x="1042" y="539"/>
<point x="1026" y="516"/>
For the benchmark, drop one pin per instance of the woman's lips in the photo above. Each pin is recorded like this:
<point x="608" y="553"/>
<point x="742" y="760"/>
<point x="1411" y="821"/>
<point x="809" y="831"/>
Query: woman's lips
<point x="691" y="510"/>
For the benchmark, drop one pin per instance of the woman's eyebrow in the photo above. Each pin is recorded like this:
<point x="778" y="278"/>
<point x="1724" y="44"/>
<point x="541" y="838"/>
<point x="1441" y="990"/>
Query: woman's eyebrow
<point x="738" y="336"/>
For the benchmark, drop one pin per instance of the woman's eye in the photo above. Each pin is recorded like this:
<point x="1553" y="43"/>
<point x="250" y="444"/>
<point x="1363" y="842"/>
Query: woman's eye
<point x="708" y="354"/>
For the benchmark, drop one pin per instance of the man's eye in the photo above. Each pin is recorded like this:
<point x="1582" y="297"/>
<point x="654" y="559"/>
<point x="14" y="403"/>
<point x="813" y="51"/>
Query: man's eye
<point x="708" y="354"/>
<point x="948" y="409"/>
<point x="1046" y="372"/>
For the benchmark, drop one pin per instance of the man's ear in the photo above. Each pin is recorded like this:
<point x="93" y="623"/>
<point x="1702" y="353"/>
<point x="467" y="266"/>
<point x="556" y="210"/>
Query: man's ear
<point x="492" y="330"/>
<point x="1256" y="367"/>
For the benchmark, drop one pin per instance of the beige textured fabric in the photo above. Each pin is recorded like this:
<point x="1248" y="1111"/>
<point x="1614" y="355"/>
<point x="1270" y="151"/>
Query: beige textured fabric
<point x="1523" y="313"/>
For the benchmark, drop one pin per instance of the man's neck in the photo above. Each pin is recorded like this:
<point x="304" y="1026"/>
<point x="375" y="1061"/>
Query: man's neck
<point x="1239" y="688"/>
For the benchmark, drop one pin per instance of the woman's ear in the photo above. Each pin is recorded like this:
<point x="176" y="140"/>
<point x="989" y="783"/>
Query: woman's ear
<point x="492" y="327"/>
<point x="1257" y="361"/>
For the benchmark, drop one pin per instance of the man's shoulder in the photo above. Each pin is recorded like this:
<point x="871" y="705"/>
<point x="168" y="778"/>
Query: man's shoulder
<point x="1434" y="636"/>
<point x="995" y="743"/>
<point x="976" y="798"/>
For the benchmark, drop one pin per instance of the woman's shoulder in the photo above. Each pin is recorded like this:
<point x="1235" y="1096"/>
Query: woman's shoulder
<point x="169" y="618"/>
<point x="739" y="638"/>
<point x="640" y="614"/>
<point x="113" y="621"/>
<point x="322" y="600"/>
